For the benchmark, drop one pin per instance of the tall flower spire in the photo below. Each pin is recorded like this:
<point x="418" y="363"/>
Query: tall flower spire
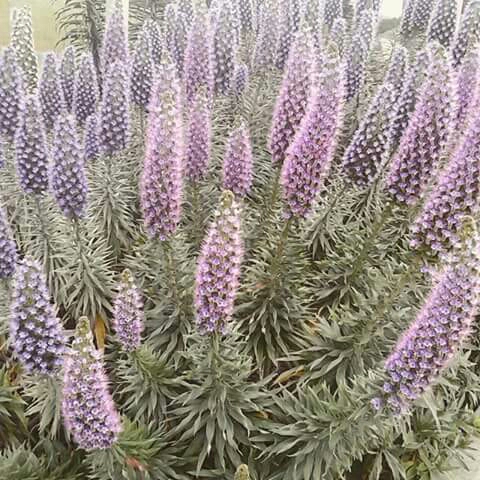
<point x="68" y="179"/>
<point x="91" y="144"/>
<point x="67" y="73"/>
<point x="310" y="155"/>
<point x="468" y="86"/>
<point x="37" y="334"/>
<point x="115" y="43"/>
<point x="338" y="35"/>
<point x="161" y="180"/>
<point x="218" y="268"/>
<point x="152" y="29"/>
<point x="8" y="248"/>
<point x="114" y="114"/>
<point x="332" y="10"/>
<point x="443" y="22"/>
<point x="50" y="91"/>
<point x="265" y="50"/>
<point x="142" y="70"/>
<point x="85" y="93"/>
<point x="468" y="34"/>
<point x="11" y="92"/>
<point x="294" y="96"/>
<point x="428" y="133"/>
<point x="176" y="29"/>
<point x="88" y="409"/>
<point x="31" y="148"/>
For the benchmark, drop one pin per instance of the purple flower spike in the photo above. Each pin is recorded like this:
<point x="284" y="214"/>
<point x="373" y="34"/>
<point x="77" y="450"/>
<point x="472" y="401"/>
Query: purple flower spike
<point x="437" y="333"/>
<point x="87" y="405"/>
<point x="406" y="23"/>
<point x="443" y="22"/>
<point x="68" y="179"/>
<point x="91" y="143"/>
<point x="218" y="269"/>
<point x="31" y="148"/>
<point x="468" y="34"/>
<point x="11" y="92"/>
<point x="294" y="96"/>
<point x="421" y="17"/>
<point x="50" y="91"/>
<point x="85" y="95"/>
<point x="286" y="31"/>
<point x="468" y="85"/>
<point x="198" y="68"/>
<point x="115" y="43"/>
<point x="238" y="163"/>
<point x="245" y="11"/>
<point x="68" y="69"/>
<point x="428" y="134"/>
<point x="37" y="334"/>
<point x="333" y="10"/>
<point x="241" y="77"/>
<point x="114" y="114"/>
<point x="338" y="35"/>
<point x="152" y="29"/>
<point x="176" y="29"/>
<point x="310" y="155"/>
<point x="8" y="248"/>
<point x="128" y="316"/>
<point x="161" y="181"/>
<point x="265" y="51"/>
<point x="397" y="68"/>
<point x="198" y="139"/>
<point x="142" y="71"/>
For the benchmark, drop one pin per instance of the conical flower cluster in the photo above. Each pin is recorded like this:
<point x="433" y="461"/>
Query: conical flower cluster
<point x="152" y="29"/>
<point x="8" y="248"/>
<point x="332" y="11"/>
<point x="176" y="30"/>
<point x="372" y="141"/>
<point x="50" y="91"/>
<point x="468" y="86"/>
<point x="85" y="96"/>
<point x="37" y="335"/>
<point x="161" y="181"/>
<point x="68" y="179"/>
<point x="22" y="43"/>
<point x="245" y="11"/>
<point x="286" y="31"/>
<point x="224" y="49"/>
<point x="454" y="198"/>
<point x="91" y="143"/>
<point x="443" y="22"/>
<point x="87" y="405"/>
<point x="31" y="148"/>
<point x="309" y="157"/>
<point x="421" y="17"/>
<point x="240" y="78"/>
<point x="142" y="71"/>
<point x="468" y="34"/>
<point x="238" y="162"/>
<point x="11" y="92"/>
<point x="294" y="96"/>
<point x="406" y="22"/>
<point x="437" y="333"/>
<point x="265" y="51"/>
<point x="428" y="133"/>
<point x="338" y="35"/>
<point x="67" y="73"/>
<point x="114" y="114"/>
<point x="198" y="69"/>
<point x="218" y="268"/>
<point x="128" y="316"/>
<point x="115" y="43"/>
<point x="198" y="139"/>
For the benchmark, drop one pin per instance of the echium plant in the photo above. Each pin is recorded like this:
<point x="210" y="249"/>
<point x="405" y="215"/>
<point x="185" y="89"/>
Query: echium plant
<point x="455" y="197"/>
<point x="440" y="328"/>
<point x="246" y="14"/>
<point x="371" y="143"/>
<point x="309" y="157"/>
<point x="128" y="316"/>
<point x="238" y="162"/>
<point x="199" y="60"/>
<point x="114" y="113"/>
<point x="468" y="34"/>
<point x="90" y="141"/>
<point x="428" y="134"/>
<point x="406" y="22"/>
<point x="218" y="270"/>
<point x="50" y="91"/>
<point x="176" y="30"/>
<point x="286" y="32"/>
<point x="68" y="68"/>
<point x="88" y="409"/>
<point x="31" y="151"/>
<point x="36" y="333"/>
<point x="332" y="11"/>
<point x="198" y="138"/>
<point x="224" y="48"/>
<point x="241" y="78"/>
<point x="421" y="16"/>
<point x="443" y="22"/>
<point x="142" y="70"/>
<point x="265" y="50"/>
<point x="11" y="92"/>
<point x="161" y="180"/>
<point x="338" y="35"/>
<point x="468" y="86"/>
<point x="68" y="177"/>
<point x="8" y="248"/>
<point x="152" y="29"/>
<point x="22" y="43"/>
<point x="294" y="96"/>
<point x="115" y="43"/>
<point x="85" y="92"/>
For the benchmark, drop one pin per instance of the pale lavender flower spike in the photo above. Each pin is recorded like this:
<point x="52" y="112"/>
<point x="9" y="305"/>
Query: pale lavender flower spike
<point x="85" y="91"/>
<point x="8" y="248"/>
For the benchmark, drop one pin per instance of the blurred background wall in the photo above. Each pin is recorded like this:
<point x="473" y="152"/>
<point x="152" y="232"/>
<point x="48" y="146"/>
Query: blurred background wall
<point x="46" y="35"/>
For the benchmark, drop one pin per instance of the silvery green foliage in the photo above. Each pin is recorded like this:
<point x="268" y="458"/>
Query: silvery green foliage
<point x="67" y="73"/>
<point x="443" y="22"/>
<point x="22" y="43"/>
<point x="468" y="33"/>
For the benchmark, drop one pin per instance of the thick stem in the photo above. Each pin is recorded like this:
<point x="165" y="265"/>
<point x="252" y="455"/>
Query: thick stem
<point x="47" y="246"/>
<point x="279" y="252"/>
<point x="172" y="273"/>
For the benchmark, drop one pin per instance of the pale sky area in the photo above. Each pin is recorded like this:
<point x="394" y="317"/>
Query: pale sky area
<point x="391" y="8"/>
